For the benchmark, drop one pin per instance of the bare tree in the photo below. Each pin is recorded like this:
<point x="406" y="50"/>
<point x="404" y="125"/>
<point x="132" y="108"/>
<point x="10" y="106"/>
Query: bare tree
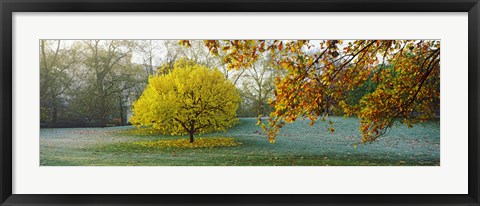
<point x="258" y="85"/>
<point x="57" y="71"/>
<point x="103" y="57"/>
<point x="149" y="53"/>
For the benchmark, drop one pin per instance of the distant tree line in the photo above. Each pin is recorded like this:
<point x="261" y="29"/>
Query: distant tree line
<point x="93" y="83"/>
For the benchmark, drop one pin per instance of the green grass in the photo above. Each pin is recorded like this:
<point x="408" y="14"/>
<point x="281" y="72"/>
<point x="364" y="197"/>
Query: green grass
<point x="297" y="144"/>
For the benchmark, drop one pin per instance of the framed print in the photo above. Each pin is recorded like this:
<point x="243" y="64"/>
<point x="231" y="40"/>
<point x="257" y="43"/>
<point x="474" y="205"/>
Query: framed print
<point x="247" y="103"/>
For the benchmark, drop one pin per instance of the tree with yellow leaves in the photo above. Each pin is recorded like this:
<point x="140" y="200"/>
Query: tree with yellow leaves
<point x="191" y="99"/>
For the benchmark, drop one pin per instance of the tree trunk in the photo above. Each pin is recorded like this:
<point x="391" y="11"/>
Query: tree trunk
<point x="53" y="120"/>
<point x="151" y="65"/>
<point x="102" y="102"/>
<point x="122" y="113"/>
<point x="191" y="137"/>
<point x="54" y="113"/>
<point x="103" y="118"/>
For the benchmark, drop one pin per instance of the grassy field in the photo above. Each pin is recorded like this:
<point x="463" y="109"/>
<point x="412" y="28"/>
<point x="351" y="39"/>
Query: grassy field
<point x="297" y="144"/>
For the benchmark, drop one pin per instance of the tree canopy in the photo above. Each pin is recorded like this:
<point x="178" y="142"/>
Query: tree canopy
<point x="403" y="77"/>
<point x="190" y="99"/>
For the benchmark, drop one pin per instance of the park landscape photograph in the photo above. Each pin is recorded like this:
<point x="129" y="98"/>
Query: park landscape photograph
<point x="239" y="102"/>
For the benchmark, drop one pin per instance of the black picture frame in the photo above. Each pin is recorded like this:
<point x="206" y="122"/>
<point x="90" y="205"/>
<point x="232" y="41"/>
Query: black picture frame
<point x="7" y="7"/>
